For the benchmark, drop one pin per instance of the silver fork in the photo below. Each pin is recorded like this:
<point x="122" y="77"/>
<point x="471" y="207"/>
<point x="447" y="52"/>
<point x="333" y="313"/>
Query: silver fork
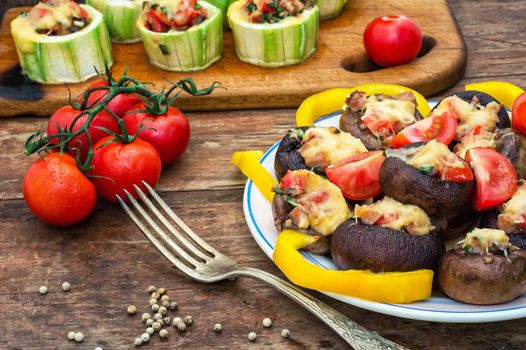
<point x="198" y="260"/>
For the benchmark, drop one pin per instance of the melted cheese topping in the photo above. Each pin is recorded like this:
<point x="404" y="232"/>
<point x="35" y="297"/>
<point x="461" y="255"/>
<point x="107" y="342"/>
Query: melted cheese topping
<point x="388" y="111"/>
<point x="321" y="205"/>
<point x="483" y="239"/>
<point x="469" y="141"/>
<point x="395" y="215"/>
<point x="513" y="214"/>
<point x="322" y="147"/>
<point x="47" y="16"/>
<point x="435" y="155"/>
<point x="470" y="115"/>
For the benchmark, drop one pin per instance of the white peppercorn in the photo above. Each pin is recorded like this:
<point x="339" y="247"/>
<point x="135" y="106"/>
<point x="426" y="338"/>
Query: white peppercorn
<point x="188" y="320"/>
<point x="132" y="310"/>
<point x="165" y="298"/>
<point x="267" y="322"/>
<point x="71" y="335"/>
<point x="181" y="326"/>
<point x="252" y="336"/>
<point x="150" y="330"/>
<point x="285" y="333"/>
<point x="42" y="290"/>
<point x="79" y="337"/>
<point x="155" y="307"/>
<point x="66" y="287"/>
<point x="138" y="341"/>
<point x="156" y="295"/>
<point x="173" y="306"/>
<point x="162" y="310"/>
<point x="218" y="327"/>
<point x="166" y="320"/>
<point x="156" y="326"/>
<point x="162" y="291"/>
<point x="165" y="304"/>
<point x="145" y="337"/>
<point x="151" y="289"/>
<point x="145" y="316"/>
<point x="176" y="321"/>
<point x="99" y="348"/>
<point x="163" y="333"/>
<point x="149" y="322"/>
<point x="158" y="316"/>
<point x="154" y="301"/>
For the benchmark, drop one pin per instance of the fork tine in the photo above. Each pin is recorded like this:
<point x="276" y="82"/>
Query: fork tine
<point x="202" y="244"/>
<point x="181" y="238"/>
<point x="165" y="252"/>
<point x="181" y="252"/>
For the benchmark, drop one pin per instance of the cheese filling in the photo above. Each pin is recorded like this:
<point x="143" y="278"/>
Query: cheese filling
<point x="392" y="214"/>
<point x="273" y="11"/>
<point x="322" y="147"/>
<point x="57" y="17"/>
<point x="386" y="117"/>
<point x="481" y="240"/>
<point x="319" y="204"/>
<point x="471" y="140"/>
<point x="513" y="214"/>
<point x="470" y="115"/>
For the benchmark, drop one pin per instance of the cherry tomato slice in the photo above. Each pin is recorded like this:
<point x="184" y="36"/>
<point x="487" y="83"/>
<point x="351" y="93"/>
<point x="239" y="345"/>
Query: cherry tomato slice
<point x="440" y="127"/>
<point x="357" y="176"/>
<point x="495" y="176"/>
<point x="458" y="174"/>
<point x="518" y="114"/>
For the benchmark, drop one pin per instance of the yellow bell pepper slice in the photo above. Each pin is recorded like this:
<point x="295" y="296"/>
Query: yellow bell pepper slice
<point x="388" y="287"/>
<point x="332" y="100"/>
<point x="505" y="93"/>
<point x="248" y="163"/>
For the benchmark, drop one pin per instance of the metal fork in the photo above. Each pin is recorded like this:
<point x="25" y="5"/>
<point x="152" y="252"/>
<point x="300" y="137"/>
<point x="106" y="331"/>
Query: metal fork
<point x="198" y="260"/>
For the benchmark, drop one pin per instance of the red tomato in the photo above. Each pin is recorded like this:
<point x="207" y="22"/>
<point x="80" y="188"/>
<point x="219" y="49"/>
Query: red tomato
<point x="440" y="127"/>
<point x="117" y="167"/>
<point x="518" y="114"/>
<point x="458" y="174"/>
<point x="291" y="180"/>
<point x="169" y="133"/>
<point x="158" y="21"/>
<point x="120" y="103"/>
<point x="64" y="117"/>
<point x="392" y="40"/>
<point x="57" y="192"/>
<point x="495" y="176"/>
<point x="357" y="176"/>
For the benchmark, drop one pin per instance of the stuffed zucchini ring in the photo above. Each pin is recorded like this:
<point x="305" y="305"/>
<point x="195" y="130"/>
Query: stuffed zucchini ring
<point x="120" y="17"/>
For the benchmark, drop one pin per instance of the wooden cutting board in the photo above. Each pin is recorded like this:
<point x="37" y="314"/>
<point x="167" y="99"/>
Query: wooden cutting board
<point x="339" y="62"/>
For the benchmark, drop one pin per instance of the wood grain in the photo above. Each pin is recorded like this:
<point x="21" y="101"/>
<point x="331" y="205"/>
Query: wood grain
<point x="109" y="264"/>
<point x="248" y="86"/>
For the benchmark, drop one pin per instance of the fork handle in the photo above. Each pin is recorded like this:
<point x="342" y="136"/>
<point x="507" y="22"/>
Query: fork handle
<point x="354" y="334"/>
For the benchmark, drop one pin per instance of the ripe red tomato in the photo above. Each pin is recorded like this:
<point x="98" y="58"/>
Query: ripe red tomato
<point x="169" y="133"/>
<point x="357" y="176"/>
<point x="518" y="114"/>
<point x="392" y="40"/>
<point x="460" y="174"/>
<point x="64" y="117"/>
<point x="57" y="192"/>
<point x="440" y="127"/>
<point x="117" y="167"/>
<point x="495" y="176"/>
<point x="120" y="103"/>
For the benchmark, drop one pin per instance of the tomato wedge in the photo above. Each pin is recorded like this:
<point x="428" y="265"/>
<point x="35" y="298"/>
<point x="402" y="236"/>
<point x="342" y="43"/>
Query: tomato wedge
<point x="495" y="176"/>
<point x="357" y="176"/>
<point x="518" y="114"/>
<point x="437" y="127"/>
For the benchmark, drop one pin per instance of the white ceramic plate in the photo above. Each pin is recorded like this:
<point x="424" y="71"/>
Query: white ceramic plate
<point x="438" y="308"/>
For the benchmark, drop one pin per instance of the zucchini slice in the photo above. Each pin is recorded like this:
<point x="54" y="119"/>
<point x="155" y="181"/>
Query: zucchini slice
<point x="290" y="41"/>
<point x="330" y="8"/>
<point x="120" y="17"/>
<point x="70" y="58"/>
<point x="187" y="50"/>
<point x="223" y="6"/>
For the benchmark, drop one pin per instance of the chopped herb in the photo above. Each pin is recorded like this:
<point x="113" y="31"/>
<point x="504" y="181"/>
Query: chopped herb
<point x="292" y="202"/>
<point x="426" y="169"/>
<point x="277" y="190"/>
<point x="197" y="7"/>
<point x="300" y="133"/>
<point x="164" y="49"/>
<point x="164" y="9"/>
<point x="251" y="7"/>
<point x="468" y="248"/>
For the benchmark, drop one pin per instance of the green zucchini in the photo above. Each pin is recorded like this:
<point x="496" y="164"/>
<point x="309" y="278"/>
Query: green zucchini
<point x="223" y="6"/>
<point x="70" y="58"/>
<point x="121" y="18"/>
<point x="330" y="8"/>
<point x="290" y="41"/>
<point x="187" y="50"/>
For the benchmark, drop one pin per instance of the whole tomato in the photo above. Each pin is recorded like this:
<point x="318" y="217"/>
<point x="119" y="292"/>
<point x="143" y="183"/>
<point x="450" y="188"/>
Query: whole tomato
<point x="118" y="166"/>
<point x="64" y="117"/>
<point x="119" y="104"/>
<point x="57" y="192"/>
<point x="392" y="40"/>
<point x="169" y="133"/>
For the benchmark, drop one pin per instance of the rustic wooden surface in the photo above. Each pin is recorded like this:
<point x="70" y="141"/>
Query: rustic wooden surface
<point x="248" y="86"/>
<point x="109" y="263"/>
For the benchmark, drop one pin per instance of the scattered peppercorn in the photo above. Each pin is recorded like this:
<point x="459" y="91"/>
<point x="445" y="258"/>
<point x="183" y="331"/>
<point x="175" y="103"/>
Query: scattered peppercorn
<point x="181" y="326"/>
<point x="267" y="322"/>
<point x="66" y="287"/>
<point x="166" y="320"/>
<point x="166" y="304"/>
<point x="156" y="295"/>
<point x="285" y="333"/>
<point x="162" y="310"/>
<point x="154" y="301"/>
<point x="42" y="290"/>
<point x="163" y="333"/>
<point x="145" y="316"/>
<point x="165" y="298"/>
<point x="156" y="326"/>
<point x="145" y="337"/>
<point x="99" y="348"/>
<point x="158" y="316"/>
<point x="150" y="330"/>
<point x="151" y="289"/>
<point x="138" y="342"/>
<point x="79" y="337"/>
<point x="218" y="327"/>
<point x="188" y="320"/>
<point x="176" y="321"/>
<point x="252" y="336"/>
<point x="149" y="322"/>
<point x="132" y="310"/>
<point x="71" y="335"/>
<point x="155" y="307"/>
<point x="173" y="306"/>
<point x="162" y="291"/>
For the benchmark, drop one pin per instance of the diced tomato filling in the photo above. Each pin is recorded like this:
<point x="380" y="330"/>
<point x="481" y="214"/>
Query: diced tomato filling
<point x="58" y="17"/>
<point x="379" y="126"/>
<point x="293" y="183"/>
<point x="188" y="13"/>
<point x="272" y="11"/>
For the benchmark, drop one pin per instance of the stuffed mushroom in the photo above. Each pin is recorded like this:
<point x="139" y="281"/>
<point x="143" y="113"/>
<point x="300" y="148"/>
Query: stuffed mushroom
<point x="485" y="268"/>
<point x="387" y="236"/>
<point x="429" y="176"/>
<point x="375" y="119"/>
<point x="314" y="147"/>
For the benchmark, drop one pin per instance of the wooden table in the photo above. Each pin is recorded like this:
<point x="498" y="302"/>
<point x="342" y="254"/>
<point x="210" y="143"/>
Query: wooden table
<point x="110" y="264"/>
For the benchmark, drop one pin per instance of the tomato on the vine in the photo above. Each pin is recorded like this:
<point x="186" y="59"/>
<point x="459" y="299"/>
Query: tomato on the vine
<point x="518" y="114"/>
<point x="57" y="192"/>
<point x="169" y="133"/>
<point x="118" y="166"/>
<point x="118" y="105"/>
<point x="65" y="116"/>
<point x="441" y="128"/>
<point x="392" y="40"/>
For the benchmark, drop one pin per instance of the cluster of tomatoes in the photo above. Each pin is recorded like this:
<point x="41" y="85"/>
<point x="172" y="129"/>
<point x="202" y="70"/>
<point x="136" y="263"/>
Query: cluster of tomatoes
<point x="123" y="145"/>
